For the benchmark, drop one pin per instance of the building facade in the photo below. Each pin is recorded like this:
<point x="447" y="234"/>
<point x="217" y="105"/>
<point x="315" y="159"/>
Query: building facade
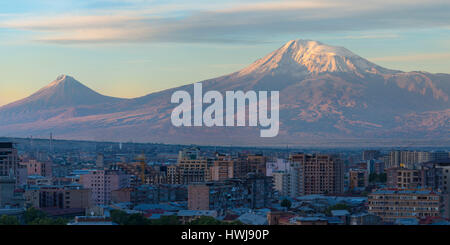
<point x="316" y="174"/>
<point x="392" y="204"/>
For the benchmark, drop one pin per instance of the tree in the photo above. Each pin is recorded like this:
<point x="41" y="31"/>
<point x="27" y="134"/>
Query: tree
<point x="208" y="220"/>
<point x="286" y="203"/>
<point x="205" y="220"/>
<point x="373" y="177"/>
<point x="166" y="220"/>
<point x="9" y="220"/>
<point x="119" y="217"/>
<point x="137" y="219"/>
<point x="49" y="221"/>
<point x="32" y="214"/>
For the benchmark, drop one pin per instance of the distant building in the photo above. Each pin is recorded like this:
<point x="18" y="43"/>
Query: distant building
<point x="151" y="194"/>
<point x="35" y="167"/>
<point x="407" y="159"/>
<point x="102" y="183"/>
<point x="370" y="155"/>
<point x="9" y="159"/>
<point x="277" y="165"/>
<point x="7" y="187"/>
<point x="404" y="178"/>
<point x="59" y="197"/>
<point x="190" y="168"/>
<point x="375" y="167"/>
<point x="100" y="162"/>
<point x="316" y="174"/>
<point x="222" y="168"/>
<point x="282" y="183"/>
<point x="257" y="164"/>
<point x="392" y="204"/>
<point x="252" y="192"/>
<point x="358" y="178"/>
<point x="437" y="174"/>
<point x="152" y="174"/>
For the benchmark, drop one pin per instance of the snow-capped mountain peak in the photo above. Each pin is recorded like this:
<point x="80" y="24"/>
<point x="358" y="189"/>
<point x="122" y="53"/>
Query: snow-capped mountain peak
<point x="303" y="57"/>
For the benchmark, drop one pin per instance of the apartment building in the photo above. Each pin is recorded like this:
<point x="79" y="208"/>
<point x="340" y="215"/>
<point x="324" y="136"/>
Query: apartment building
<point x="316" y="174"/>
<point x="392" y="204"/>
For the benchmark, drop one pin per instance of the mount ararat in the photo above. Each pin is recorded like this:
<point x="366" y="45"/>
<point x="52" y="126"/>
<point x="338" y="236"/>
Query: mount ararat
<point x="328" y="96"/>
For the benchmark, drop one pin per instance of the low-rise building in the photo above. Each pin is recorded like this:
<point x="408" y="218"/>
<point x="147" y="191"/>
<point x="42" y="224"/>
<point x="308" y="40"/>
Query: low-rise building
<point x="392" y="204"/>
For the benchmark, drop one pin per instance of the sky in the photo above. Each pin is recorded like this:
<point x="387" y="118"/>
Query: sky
<point x="129" y="48"/>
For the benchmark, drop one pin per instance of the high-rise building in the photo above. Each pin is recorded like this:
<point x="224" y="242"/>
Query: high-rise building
<point x="358" y="178"/>
<point x="282" y="183"/>
<point x="404" y="178"/>
<point x="7" y="186"/>
<point x="102" y="183"/>
<point x="437" y="175"/>
<point x="9" y="159"/>
<point x="100" y="161"/>
<point x="255" y="191"/>
<point x="407" y="159"/>
<point x="370" y="155"/>
<point x="277" y="164"/>
<point x="316" y="174"/>
<point x="222" y="168"/>
<point x="42" y="168"/>
<point x="190" y="168"/>
<point x="257" y="164"/>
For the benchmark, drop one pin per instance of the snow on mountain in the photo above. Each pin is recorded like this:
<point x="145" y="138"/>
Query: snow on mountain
<point x="300" y="57"/>
<point x="326" y="94"/>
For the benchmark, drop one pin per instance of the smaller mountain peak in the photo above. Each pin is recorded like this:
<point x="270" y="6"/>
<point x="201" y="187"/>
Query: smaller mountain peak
<point x="62" y="79"/>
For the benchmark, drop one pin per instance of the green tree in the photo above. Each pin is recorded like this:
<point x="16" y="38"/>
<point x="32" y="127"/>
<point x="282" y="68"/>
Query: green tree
<point x="119" y="217"/>
<point x="286" y="203"/>
<point x="166" y="220"/>
<point x="234" y="222"/>
<point x="373" y="177"/>
<point x="9" y="220"/>
<point x="206" y="220"/>
<point x="137" y="219"/>
<point x="32" y="214"/>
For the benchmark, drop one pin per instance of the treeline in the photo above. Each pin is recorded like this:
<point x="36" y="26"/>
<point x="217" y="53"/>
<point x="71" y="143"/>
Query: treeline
<point x="378" y="178"/>
<point x="122" y="218"/>
<point x="32" y="216"/>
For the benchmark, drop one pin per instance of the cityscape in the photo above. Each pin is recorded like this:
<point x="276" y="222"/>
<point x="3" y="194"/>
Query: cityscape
<point x="224" y="121"/>
<point x="59" y="182"/>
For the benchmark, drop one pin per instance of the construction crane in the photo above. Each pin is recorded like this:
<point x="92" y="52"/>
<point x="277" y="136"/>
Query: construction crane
<point x="141" y="159"/>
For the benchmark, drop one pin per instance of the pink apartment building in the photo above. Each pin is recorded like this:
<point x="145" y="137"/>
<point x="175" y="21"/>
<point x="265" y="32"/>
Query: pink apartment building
<point x="38" y="168"/>
<point x="102" y="183"/>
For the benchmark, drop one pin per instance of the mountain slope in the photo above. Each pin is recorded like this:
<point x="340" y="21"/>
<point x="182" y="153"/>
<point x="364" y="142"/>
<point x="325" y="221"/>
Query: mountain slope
<point x="64" y="97"/>
<point x="326" y="94"/>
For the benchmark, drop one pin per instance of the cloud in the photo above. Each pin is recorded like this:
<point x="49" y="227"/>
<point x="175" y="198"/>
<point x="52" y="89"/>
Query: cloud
<point x="413" y="57"/>
<point x="237" y="22"/>
<point x="372" y="36"/>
